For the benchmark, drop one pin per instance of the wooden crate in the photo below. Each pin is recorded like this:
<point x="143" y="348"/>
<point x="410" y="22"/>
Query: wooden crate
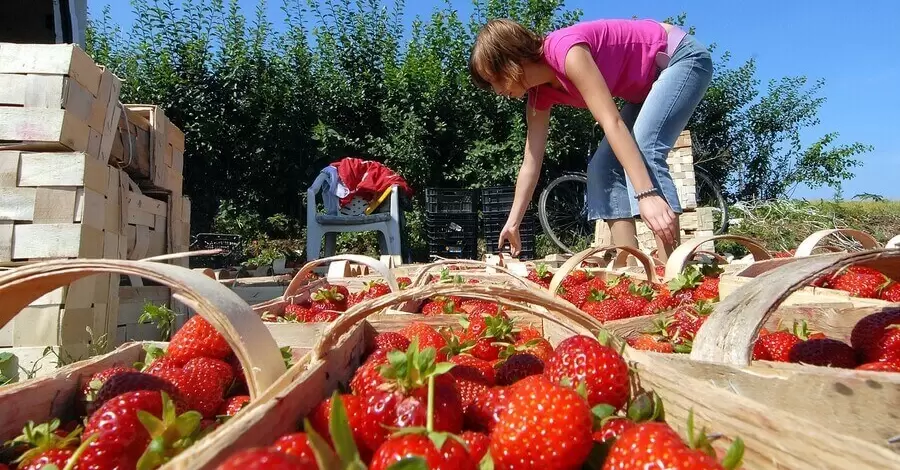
<point x="54" y="97"/>
<point x="681" y="167"/>
<point x="774" y="438"/>
<point x="150" y="149"/>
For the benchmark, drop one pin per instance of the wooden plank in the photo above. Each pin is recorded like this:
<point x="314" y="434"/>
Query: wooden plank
<point x="46" y="241"/>
<point x="37" y="326"/>
<point x="44" y="125"/>
<point x="9" y="168"/>
<point x="139" y="202"/>
<point x="13" y="88"/>
<point x="62" y="169"/>
<point x="51" y="59"/>
<point x="56" y="205"/>
<point x="17" y="204"/>
<point x="93" y="211"/>
<point x="6" y="240"/>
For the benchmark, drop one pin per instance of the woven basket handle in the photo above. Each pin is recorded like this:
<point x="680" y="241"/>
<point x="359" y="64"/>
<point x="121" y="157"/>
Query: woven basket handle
<point x="684" y="253"/>
<point x="231" y="316"/>
<point x="808" y="245"/>
<point x="505" y="261"/>
<point x="536" y="301"/>
<point x="580" y="257"/>
<point x="422" y="275"/>
<point x="727" y="335"/>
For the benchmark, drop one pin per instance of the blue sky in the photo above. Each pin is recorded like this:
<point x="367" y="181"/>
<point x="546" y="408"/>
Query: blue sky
<point x="848" y="46"/>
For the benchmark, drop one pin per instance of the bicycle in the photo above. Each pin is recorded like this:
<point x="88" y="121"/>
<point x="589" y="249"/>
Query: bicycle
<point x="562" y="208"/>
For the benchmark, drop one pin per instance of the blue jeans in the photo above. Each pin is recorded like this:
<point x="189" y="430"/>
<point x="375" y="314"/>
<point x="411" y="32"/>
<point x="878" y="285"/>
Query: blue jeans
<point x="655" y="124"/>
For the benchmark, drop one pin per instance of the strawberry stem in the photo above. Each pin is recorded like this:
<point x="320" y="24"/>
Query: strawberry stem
<point x="429" y="423"/>
<point x="70" y="464"/>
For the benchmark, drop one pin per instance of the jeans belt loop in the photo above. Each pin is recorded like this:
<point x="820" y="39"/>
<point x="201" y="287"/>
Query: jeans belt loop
<point x="675" y="35"/>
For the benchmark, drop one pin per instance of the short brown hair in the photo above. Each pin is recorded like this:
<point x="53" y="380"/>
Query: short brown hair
<point x="500" y="48"/>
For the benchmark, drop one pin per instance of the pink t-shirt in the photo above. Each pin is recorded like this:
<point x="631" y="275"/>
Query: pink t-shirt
<point x="624" y="50"/>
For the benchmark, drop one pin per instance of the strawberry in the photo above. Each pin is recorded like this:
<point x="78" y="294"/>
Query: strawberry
<point x="887" y="348"/>
<point x="517" y="367"/>
<point x="197" y="338"/>
<point x="451" y="455"/>
<point x="859" y="281"/>
<point x="476" y="323"/>
<point x="332" y="298"/>
<point x="368" y="376"/>
<point x="637" y="299"/>
<point x="601" y="369"/>
<point x="220" y="370"/>
<point x="477" y="443"/>
<point x="708" y="289"/>
<point x="823" y="352"/>
<point x="131" y="382"/>
<point x="390" y="340"/>
<point x="439" y="305"/>
<point x="882" y="366"/>
<point x="297" y="445"/>
<point x="867" y="333"/>
<point x="777" y="346"/>
<point x="890" y="292"/>
<point x="479" y="307"/>
<point x="231" y="406"/>
<point x="576" y="278"/>
<point x="367" y="434"/>
<point x="654" y="445"/>
<point x="530" y="431"/>
<point x="92" y="386"/>
<point x="661" y="302"/>
<point x="404" y="282"/>
<point x="240" y="380"/>
<point x="484" y="412"/>
<point x="375" y="289"/>
<point x="689" y="317"/>
<point x="297" y="313"/>
<point x="609" y="309"/>
<point x="613" y="428"/>
<point x="402" y="399"/>
<point x="526" y="333"/>
<point x="619" y="286"/>
<point x="201" y="388"/>
<point x="426" y="336"/>
<point x="541" y="275"/>
<point x="57" y="457"/>
<point x="261" y="458"/>
<point x="539" y="347"/>
<point x="472" y="368"/>
<point x="46" y="444"/>
<point x="651" y="342"/>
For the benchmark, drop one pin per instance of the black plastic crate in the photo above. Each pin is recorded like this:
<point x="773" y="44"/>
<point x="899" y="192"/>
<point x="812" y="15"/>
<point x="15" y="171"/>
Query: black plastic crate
<point x="450" y="201"/>
<point x="497" y="199"/>
<point x="492" y="225"/>
<point x="452" y="235"/>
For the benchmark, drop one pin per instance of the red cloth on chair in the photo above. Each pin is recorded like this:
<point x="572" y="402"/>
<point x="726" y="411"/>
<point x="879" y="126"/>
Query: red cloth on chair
<point x="367" y="179"/>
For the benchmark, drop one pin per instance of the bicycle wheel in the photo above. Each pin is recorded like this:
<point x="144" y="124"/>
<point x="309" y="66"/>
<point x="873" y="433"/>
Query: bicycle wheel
<point x="708" y="195"/>
<point x="562" y="210"/>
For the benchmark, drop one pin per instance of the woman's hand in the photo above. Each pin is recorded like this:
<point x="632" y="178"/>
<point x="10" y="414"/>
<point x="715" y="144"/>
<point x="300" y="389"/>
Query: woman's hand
<point x="510" y="233"/>
<point x="657" y="214"/>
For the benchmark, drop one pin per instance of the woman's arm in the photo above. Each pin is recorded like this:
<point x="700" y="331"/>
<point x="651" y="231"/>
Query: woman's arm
<point x="583" y="72"/>
<point x="538" y="122"/>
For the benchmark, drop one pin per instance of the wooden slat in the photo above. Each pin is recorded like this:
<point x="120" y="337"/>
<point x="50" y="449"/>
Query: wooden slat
<point x="51" y="59"/>
<point x="62" y="169"/>
<point x="46" y="241"/>
<point x="57" y="204"/>
<point x="44" y="125"/>
<point x="17" y="204"/>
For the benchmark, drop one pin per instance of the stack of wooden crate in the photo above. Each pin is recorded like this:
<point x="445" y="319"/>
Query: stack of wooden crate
<point x="695" y="221"/>
<point x="64" y="194"/>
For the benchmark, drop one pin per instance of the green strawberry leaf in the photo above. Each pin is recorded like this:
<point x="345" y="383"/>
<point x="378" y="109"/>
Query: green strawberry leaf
<point x="438" y="439"/>
<point x="153" y="424"/>
<point x="602" y="411"/>
<point x="735" y="455"/>
<point x="409" y="463"/>
<point x="598" y="455"/>
<point x="442" y="368"/>
<point x="323" y="454"/>
<point x="341" y="434"/>
<point x="487" y="462"/>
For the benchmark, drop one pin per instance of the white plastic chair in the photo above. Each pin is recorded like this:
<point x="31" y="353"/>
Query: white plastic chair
<point x="385" y="220"/>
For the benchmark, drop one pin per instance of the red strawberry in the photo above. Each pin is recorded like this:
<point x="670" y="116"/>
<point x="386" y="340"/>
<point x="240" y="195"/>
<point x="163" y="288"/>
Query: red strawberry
<point x="485" y="411"/>
<point x="612" y="429"/>
<point x="577" y="295"/>
<point x="824" y="352"/>
<point x="476" y="323"/>
<point x="583" y="359"/>
<point x="472" y="368"/>
<point x="451" y="456"/>
<point x="261" y="458"/>
<point x="234" y="404"/>
<point x="539" y="347"/>
<point x="390" y="340"/>
<point x="333" y="298"/>
<point x="201" y="388"/>
<point x="367" y="433"/>
<point x="480" y="307"/>
<point x="367" y="377"/>
<point x="221" y="370"/>
<point x="661" y="302"/>
<point x="887" y="348"/>
<point x="689" y="317"/>
<point x="92" y="386"/>
<point x="778" y="345"/>
<point x="868" y="332"/>
<point x="619" y="286"/>
<point x="708" y="289"/>
<point x="375" y="289"/>
<point x="530" y="432"/>
<point x="886" y="366"/>
<point x="891" y="292"/>
<point x="651" y="342"/>
<point x="541" y="275"/>
<point x="517" y="367"/>
<point x="426" y="336"/>
<point x="404" y="282"/>
<point x="441" y="305"/>
<point x="197" y="338"/>
<point x="526" y="333"/>
<point x="609" y="309"/>
<point x="477" y="443"/>
<point x="637" y="299"/>
<point x="859" y="281"/>
<point x="131" y="382"/>
<point x="654" y="445"/>
<point x="58" y="457"/>
<point x="44" y="444"/>
<point x="297" y="313"/>
<point x="297" y="445"/>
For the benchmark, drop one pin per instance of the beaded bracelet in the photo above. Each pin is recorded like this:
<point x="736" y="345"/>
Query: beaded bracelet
<point x="645" y="193"/>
